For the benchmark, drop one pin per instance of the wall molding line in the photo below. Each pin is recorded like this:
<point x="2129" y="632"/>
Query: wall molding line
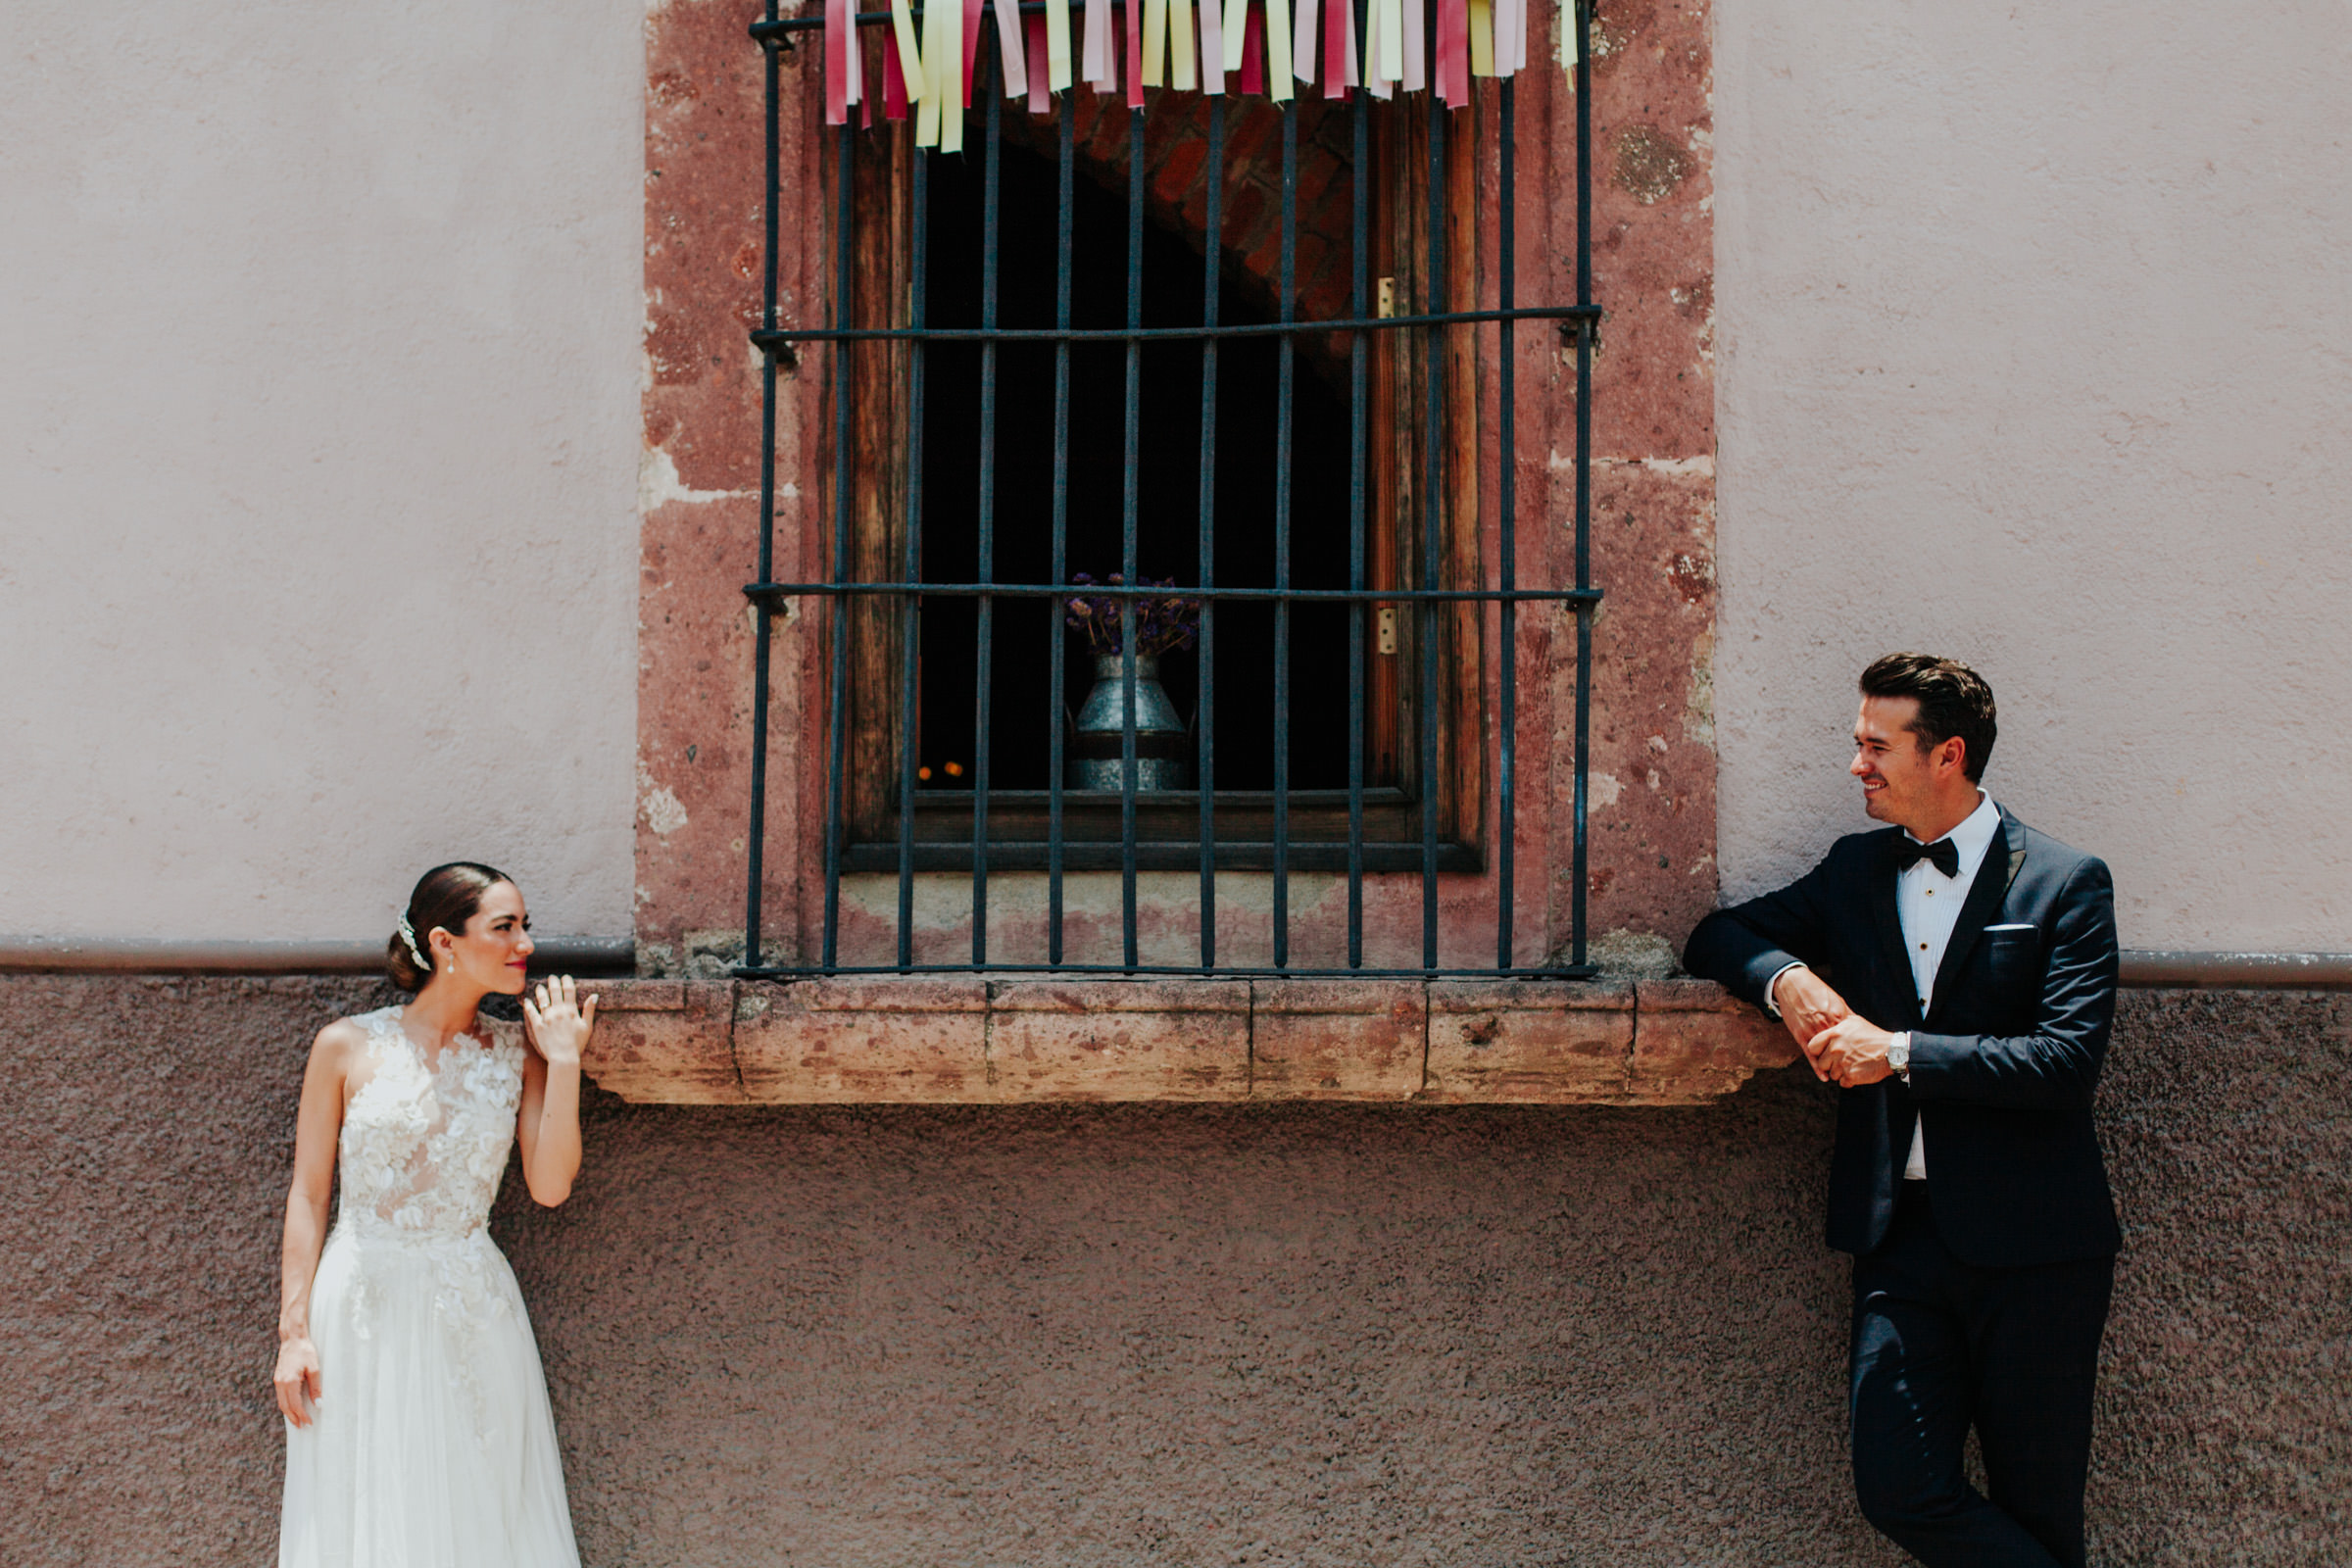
<point x="2143" y="968"/>
<point x="2156" y="969"/>
<point x="164" y="956"/>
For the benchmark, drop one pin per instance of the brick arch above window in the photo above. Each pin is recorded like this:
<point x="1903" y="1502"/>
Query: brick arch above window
<point x="1175" y="150"/>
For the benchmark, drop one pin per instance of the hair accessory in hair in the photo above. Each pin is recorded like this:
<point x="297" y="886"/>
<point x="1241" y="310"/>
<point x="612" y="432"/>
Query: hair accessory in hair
<point x="408" y="934"/>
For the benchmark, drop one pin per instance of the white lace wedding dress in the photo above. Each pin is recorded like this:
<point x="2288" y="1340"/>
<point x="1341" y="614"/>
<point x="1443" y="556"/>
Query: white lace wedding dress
<point x="432" y="1444"/>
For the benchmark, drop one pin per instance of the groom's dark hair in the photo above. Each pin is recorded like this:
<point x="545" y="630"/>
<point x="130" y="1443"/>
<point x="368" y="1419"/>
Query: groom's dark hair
<point x="1954" y="699"/>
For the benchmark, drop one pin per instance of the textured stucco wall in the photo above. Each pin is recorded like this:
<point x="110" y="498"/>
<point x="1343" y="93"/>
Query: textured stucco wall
<point x="2026" y="320"/>
<point x="317" y="461"/>
<point x="1039" y="1337"/>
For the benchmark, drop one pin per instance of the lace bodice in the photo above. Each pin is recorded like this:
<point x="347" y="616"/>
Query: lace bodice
<point x="423" y="1149"/>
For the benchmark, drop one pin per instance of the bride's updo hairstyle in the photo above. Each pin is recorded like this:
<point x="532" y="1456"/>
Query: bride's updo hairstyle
<point x="446" y="897"/>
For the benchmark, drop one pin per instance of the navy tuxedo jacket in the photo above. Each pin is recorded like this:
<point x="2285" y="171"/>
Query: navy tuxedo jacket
<point x="2002" y="1066"/>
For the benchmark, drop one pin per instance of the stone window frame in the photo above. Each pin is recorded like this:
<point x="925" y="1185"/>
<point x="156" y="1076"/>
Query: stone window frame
<point x="1652" y="869"/>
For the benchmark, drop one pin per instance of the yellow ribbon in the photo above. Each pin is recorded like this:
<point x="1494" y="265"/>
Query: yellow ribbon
<point x="1057" y="48"/>
<point x="910" y="59"/>
<point x="1180" y="44"/>
<point x="1278" y="50"/>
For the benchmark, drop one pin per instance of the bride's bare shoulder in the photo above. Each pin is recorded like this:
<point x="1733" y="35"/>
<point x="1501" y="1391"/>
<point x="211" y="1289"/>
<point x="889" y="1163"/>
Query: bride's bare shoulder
<point x="342" y="1038"/>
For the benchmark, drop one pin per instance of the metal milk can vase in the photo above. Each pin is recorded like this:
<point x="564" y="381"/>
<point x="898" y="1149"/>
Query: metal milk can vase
<point x="1163" y="747"/>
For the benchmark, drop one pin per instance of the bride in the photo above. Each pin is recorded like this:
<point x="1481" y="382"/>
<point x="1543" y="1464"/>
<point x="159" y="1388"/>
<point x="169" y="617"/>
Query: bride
<point x="418" y="1432"/>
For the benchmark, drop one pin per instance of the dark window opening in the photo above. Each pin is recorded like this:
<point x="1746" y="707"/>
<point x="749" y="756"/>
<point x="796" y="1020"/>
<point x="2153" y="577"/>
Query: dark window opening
<point x="1169" y="491"/>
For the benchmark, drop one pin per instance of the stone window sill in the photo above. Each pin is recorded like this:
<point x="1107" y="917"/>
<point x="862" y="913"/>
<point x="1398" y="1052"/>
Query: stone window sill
<point x="987" y="1041"/>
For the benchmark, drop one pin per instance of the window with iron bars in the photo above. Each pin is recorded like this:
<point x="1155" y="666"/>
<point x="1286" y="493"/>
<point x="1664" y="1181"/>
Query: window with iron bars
<point x="1060" y="392"/>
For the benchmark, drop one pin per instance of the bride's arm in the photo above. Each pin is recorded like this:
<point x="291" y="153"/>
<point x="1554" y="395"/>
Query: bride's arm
<point x="549" y="1124"/>
<point x="320" y="1124"/>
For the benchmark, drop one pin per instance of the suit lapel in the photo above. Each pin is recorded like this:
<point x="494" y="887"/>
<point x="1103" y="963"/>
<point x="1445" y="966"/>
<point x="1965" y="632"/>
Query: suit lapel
<point x="1886" y="916"/>
<point x="1984" y="902"/>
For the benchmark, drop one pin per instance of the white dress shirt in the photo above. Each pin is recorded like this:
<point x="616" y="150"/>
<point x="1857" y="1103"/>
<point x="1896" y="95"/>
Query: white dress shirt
<point x="1928" y="904"/>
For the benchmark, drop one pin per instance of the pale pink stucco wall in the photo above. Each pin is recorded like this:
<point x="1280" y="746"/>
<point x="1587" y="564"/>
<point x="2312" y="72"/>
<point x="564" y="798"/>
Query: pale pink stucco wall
<point x="2029" y="352"/>
<point x="317" y="461"/>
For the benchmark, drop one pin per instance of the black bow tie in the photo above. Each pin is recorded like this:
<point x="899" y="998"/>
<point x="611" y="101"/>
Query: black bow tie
<point x="1909" y="852"/>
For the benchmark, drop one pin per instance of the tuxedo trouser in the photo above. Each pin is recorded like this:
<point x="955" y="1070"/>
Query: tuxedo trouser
<point x="1940" y="1344"/>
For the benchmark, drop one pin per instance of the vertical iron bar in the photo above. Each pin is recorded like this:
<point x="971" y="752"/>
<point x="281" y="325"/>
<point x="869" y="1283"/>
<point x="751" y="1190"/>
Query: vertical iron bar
<point x="837" y="614"/>
<point x="985" y="632"/>
<point x="1579" y="18"/>
<point x="762" y="618"/>
<point x="1358" y="440"/>
<point x="1204" y="714"/>
<point x="912" y="561"/>
<point x="1288" y="307"/>
<point x="1506" y="502"/>
<point x="1128" y="530"/>
<point x="1433" y="515"/>
<point x="1059" y="633"/>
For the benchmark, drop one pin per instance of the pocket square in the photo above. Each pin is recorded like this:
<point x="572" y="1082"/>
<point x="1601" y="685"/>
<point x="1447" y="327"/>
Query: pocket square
<point x="2021" y="926"/>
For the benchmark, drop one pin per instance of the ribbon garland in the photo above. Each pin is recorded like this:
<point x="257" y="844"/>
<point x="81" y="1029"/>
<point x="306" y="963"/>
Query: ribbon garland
<point x="1264" y="46"/>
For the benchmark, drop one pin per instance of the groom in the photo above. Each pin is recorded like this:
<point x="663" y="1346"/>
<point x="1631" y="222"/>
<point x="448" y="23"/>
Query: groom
<point x="1955" y="973"/>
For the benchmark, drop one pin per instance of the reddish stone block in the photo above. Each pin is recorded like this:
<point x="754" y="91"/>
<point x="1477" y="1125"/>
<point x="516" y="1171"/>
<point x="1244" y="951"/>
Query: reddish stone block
<point x="1528" y="1040"/>
<point x="1119" y="1040"/>
<point x="1337" y="1039"/>
<point x="884" y="1041"/>
<point x="1174" y="178"/>
<point x="1696" y="1041"/>
<point x="1253" y="137"/>
<point x="664" y="1042"/>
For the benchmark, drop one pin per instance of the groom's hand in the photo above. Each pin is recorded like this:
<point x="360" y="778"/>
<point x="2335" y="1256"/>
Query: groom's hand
<point x="1852" y="1050"/>
<point x="1808" y="1006"/>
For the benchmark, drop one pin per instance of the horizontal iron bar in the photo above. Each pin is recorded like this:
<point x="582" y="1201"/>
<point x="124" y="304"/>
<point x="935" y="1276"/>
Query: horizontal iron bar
<point x="780" y="337"/>
<point x="1295" y="973"/>
<point x="775" y="31"/>
<point x="1174" y="854"/>
<point x="1081" y="590"/>
<point x="1374" y="796"/>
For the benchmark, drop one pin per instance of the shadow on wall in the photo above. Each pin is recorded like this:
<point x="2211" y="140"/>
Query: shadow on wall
<point x="1320" y="1334"/>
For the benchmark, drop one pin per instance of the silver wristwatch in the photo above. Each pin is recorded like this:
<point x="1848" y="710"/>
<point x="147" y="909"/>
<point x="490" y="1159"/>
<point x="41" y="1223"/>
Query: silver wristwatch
<point x="1898" y="1055"/>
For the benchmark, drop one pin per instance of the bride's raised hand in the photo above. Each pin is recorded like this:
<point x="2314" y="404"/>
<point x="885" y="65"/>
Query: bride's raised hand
<point x="559" y="1020"/>
<point x="297" y="1379"/>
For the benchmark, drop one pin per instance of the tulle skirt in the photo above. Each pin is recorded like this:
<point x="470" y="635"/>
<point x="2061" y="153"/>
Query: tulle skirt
<point x="432" y="1444"/>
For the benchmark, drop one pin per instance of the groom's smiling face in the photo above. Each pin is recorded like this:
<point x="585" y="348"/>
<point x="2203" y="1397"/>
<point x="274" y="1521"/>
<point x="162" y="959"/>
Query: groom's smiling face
<point x="1898" y="775"/>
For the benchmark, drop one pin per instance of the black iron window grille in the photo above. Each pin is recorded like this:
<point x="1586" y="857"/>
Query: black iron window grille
<point x="1130" y="799"/>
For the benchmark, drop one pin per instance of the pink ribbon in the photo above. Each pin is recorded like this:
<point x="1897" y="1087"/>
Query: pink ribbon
<point x="1009" y="50"/>
<point x="1212" y="47"/>
<point x="1135" y="54"/>
<point x="894" y="79"/>
<point x="972" y="17"/>
<point x="1254" y="51"/>
<point x="1454" y="52"/>
<point x="841" y="40"/>
<point x="1040" y="97"/>
<point x="1339" y="49"/>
